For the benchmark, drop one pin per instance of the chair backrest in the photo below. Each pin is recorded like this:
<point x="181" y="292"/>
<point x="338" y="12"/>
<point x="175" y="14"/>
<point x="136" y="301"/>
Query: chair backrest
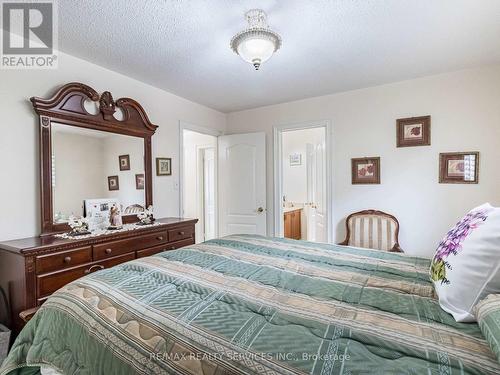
<point x="133" y="209"/>
<point x="373" y="230"/>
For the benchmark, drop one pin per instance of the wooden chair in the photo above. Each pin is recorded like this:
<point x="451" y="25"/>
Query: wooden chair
<point x="373" y="230"/>
<point x="133" y="209"/>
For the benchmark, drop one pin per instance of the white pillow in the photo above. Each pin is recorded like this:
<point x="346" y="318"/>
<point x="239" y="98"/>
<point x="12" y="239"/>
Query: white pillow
<point x="466" y="266"/>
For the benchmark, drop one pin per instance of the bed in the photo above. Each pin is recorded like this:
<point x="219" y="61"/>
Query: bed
<point x="248" y="304"/>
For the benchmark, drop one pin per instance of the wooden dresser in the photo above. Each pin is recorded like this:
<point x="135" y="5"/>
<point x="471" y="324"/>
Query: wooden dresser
<point x="33" y="268"/>
<point x="292" y="223"/>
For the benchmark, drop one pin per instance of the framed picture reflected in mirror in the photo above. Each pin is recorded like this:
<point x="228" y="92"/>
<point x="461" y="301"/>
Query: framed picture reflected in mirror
<point x="113" y="183"/>
<point x="124" y="162"/>
<point x="139" y="181"/>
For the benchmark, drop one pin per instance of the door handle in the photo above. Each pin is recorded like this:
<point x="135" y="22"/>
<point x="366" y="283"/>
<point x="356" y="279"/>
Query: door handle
<point x="260" y="210"/>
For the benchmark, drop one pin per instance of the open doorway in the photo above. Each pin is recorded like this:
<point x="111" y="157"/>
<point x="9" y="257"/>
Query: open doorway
<point x="199" y="179"/>
<point x="222" y="181"/>
<point x="303" y="182"/>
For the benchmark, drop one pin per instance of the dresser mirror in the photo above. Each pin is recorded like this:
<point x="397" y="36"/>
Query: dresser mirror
<point x="95" y="167"/>
<point x="95" y="154"/>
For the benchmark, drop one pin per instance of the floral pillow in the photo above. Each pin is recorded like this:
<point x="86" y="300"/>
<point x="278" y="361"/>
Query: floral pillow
<point x="465" y="268"/>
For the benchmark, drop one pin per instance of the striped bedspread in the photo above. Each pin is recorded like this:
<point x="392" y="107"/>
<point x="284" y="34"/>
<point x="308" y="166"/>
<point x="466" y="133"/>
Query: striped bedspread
<point x="253" y="305"/>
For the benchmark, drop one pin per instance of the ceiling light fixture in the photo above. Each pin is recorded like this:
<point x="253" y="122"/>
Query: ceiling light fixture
<point x="257" y="43"/>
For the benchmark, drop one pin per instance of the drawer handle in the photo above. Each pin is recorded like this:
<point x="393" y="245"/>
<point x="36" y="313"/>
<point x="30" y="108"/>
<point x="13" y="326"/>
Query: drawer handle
<point x="159" y="238"/>
<point x="181" y="233"/>
<point x="108" y="251"/>
<point x="94" y="267"/>
<point x="67" y="259"/>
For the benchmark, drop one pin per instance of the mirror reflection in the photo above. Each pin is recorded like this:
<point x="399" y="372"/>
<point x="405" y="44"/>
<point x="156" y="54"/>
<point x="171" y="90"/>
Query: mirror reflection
<point x="95" y="171"/>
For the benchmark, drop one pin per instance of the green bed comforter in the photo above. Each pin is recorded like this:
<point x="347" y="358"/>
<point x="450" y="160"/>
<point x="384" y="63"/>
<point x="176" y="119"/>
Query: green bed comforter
<point x="252" y="305"/>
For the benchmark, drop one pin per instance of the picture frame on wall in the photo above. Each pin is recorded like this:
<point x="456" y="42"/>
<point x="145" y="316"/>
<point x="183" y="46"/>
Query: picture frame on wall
<point x="295" y="160"/>
<point x="163" y="166"/>
<point x="365" y="170"/>
<point x="459" y="167"/>
<point x="124" y="161"/>
<point x="139" y="181"/>
<point x="413" y="131"/>
<point x="113" y="183"/>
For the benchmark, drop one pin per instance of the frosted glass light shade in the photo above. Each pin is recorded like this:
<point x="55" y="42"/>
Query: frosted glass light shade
<point x="256" y="50"/>
<point x="257" y="43"/>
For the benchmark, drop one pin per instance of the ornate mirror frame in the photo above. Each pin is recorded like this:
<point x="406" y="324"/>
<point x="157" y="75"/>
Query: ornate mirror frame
<point x="67" y="106"/>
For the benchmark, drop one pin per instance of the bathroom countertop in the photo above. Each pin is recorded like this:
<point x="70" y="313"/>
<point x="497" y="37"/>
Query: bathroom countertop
<point x="290" y="209"/>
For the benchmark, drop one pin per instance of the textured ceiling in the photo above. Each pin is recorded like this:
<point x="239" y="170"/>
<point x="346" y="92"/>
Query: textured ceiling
<point x="328" y="45"/>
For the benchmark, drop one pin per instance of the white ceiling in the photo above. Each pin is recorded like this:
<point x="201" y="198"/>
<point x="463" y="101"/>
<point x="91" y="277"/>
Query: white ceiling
<point x="328" y="45"/>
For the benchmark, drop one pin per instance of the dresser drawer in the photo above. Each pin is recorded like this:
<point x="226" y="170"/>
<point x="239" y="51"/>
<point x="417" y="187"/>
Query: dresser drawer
<point x="64" y="259"/>
<point x="166" y="247"/>
<point x="179" y="244"/>
<point x="114" y="248"/>
<point x="181" y="233"/>
<point x="50" y="282"/>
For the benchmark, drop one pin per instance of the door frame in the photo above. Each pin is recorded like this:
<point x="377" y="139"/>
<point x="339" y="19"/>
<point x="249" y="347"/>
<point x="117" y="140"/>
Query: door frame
<point x="183" y="125"/>
<point x="278" y="131"/>
<point x="201" y="151"/>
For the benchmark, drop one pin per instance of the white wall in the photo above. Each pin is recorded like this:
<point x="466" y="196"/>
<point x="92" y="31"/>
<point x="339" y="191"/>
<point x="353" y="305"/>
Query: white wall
<point x="114" y="146"/>
<point x="73" y="182"/>
<point x="295" y="176"/>
<point x="465" y="110"/>
<point x="19" y="159"/>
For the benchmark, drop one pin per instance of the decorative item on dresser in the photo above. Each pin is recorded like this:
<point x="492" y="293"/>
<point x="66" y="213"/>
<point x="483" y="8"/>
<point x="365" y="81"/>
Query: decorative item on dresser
<point x="292" y="223"/>
<point x="34" y="268"/>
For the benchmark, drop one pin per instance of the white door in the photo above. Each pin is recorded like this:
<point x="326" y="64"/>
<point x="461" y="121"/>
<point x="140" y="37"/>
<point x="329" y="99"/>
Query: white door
<point x="242" y="184"/>
<point x="209" y="193"/>
<point x="320" y="193"/>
